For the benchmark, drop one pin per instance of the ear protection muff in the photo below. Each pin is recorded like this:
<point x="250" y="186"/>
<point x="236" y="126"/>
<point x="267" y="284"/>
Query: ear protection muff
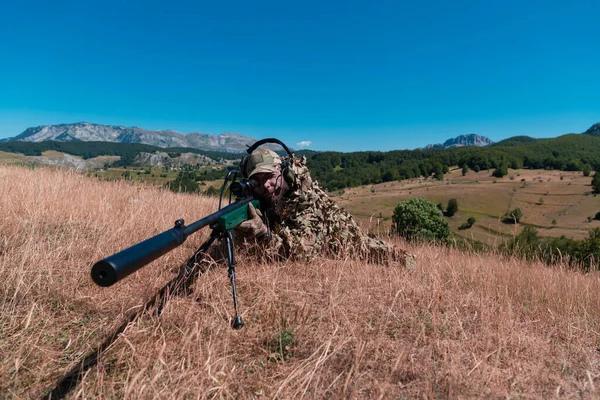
<point x="286" y="166"/>
<point x="288" y="173"/>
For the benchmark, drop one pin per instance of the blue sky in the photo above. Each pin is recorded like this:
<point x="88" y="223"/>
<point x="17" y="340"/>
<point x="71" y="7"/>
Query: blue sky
<point x="343" y="75"/>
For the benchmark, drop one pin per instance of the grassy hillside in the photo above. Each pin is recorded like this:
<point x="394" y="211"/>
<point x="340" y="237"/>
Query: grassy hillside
<point x="459" y="325"/>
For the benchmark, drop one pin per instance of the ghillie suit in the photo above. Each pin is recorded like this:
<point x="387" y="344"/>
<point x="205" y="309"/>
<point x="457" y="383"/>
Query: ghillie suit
<point x="309" y="223"/>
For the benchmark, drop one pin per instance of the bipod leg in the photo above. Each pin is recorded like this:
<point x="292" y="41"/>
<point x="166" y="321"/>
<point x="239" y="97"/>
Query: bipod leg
<point x="237" y="321"/>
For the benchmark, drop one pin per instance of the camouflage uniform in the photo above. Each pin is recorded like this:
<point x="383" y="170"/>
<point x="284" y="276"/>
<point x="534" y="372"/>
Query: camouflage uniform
<point x="312" y="224"/>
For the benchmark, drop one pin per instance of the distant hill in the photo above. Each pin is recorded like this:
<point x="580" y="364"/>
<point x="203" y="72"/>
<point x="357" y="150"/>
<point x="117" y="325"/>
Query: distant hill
<point x="515" y="141"/>
<point x="88" y="132"/>
<point x="462" y="141"/>
<point x="594" y="130"/>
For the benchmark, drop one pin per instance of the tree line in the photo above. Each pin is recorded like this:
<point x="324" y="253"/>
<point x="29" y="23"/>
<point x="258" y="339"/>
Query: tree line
<point x="572" y="152"/>
<point x="127" y="151"/>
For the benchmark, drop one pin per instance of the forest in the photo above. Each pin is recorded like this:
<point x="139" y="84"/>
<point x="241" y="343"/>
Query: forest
<point x="572" y="152"/>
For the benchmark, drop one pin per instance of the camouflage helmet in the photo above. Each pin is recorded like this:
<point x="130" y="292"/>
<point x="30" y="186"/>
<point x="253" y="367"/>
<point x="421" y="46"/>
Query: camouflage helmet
<point x="260" y="161"/>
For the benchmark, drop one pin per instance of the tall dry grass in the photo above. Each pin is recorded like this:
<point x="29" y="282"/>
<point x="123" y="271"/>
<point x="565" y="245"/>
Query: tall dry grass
<point x="460" y="325"/>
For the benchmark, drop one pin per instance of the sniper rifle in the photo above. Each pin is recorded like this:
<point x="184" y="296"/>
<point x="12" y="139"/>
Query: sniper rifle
<point x="112" y="269"/>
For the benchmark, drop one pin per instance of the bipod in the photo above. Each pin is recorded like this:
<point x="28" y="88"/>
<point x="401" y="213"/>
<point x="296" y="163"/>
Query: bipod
<point x="237" y="321"/>
<point x="190" y="271"/>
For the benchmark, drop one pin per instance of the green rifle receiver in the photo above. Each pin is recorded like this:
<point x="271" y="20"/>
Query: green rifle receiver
<point x="236" y="217"/>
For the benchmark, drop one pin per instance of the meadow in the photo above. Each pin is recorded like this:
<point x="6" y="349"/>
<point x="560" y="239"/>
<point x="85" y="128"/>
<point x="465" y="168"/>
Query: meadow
<point x="556" y="203"/>
<point x="459" y="325"/>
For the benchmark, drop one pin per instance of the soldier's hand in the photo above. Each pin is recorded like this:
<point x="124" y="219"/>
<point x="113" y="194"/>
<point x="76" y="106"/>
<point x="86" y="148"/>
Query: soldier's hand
<point x="254" y="226"/>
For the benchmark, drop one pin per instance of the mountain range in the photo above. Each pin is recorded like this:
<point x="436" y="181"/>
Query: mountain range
<point x="88" y="132"/>
<point x="227" y="142"/>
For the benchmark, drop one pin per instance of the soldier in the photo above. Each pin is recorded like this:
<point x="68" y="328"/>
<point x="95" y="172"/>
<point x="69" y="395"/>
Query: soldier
<point x="300" y="221"/>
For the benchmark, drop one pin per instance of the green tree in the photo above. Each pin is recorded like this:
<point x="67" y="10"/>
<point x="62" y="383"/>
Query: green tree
<point x="587" y="169"/>
<point x="183" y="185"/>
<point x="500" y="171"/>
<point x="420" y="219"/>
<point x="438" y="171"/>
<point x="465" y="169"/>
<point x="452" y="207"/>
<point x="596" y="183"/>
<point x="513" y="216"/>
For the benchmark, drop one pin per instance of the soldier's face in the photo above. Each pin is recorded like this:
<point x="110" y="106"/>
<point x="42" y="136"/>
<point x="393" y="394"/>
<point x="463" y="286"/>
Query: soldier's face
<point x="269" y="186"/>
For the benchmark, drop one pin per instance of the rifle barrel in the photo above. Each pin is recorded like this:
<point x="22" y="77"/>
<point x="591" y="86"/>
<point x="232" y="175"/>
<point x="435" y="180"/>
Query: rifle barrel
<point x="112" y="269"/>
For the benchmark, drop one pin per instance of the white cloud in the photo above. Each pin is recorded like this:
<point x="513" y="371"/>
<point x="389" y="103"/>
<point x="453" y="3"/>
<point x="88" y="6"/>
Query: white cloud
<point x="304" y="144"/>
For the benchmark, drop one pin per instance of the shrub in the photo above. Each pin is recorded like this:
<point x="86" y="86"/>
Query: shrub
<point x="420" y="219"/>
<point x="183" y="185"/>
<point x="212" y="191"/>
<point x="513" y="216"/>
<point x="525" y="243"/>
<point x="596" y="183"/>
<point x="468" y="224"/>
<point x="465" y="169"/>
<point x="452" y="207"/>
<point x="597" y="216"/>
<point x="500" y="171"/>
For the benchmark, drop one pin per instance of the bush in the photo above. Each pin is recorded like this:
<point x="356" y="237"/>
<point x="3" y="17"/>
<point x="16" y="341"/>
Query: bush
<point x="500" y="171"/>
<point x="183" y="185"/>
<point x="467" y="225"/>
<point x="597" y="216"/>
<point x="452" y="207"/>
<point x="596" y="183"/>
<point x="212" y="191"/>
<point x="525" y="243"/>
<point x="420" y="219"/>
<point x="513" y="216"/>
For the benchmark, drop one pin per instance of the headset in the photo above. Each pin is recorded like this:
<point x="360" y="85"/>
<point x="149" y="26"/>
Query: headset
<point x="286" y="166"/>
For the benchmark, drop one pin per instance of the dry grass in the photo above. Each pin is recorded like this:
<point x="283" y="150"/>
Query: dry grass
<point x="459" y="325"/>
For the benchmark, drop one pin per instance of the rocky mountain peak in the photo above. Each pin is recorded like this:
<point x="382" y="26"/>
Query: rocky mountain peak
<point x="594" y="130"/>
<point x="461" y="141"/>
